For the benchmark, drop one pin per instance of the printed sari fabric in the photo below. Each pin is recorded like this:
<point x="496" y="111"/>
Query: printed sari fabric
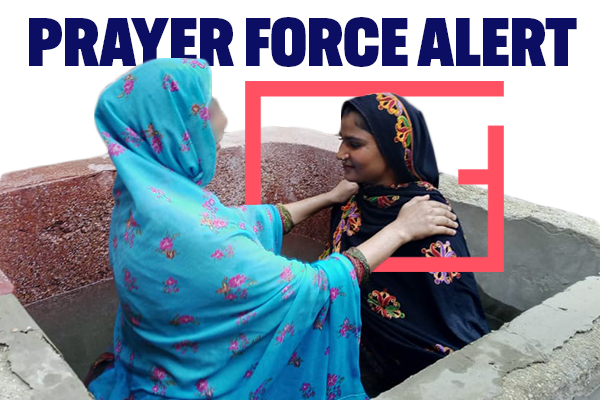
<point x="208" y="309"/>
<point x="410" y="320"/>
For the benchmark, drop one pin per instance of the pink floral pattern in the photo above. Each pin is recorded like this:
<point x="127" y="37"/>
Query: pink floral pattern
<point x="115" y="149"/>
<point x="241" y="343"/>
<point x="295" y="360"/>
<point x="204" y="389"/>
<point x="307" y="390"/>
<point x="258" y="227"/>
<point x="200" y="110"/>
<point x="159" y="194"/>
<point x="347" y="329"/>
<point x="179" y="320"/>
<point x="161" y="379"/>
<point x="132" y="228"/>
<point x="334" y="390"/>
<point x="250" y="371"/>
<point x="320" y="280"/>
<point x="130" y="136"/>
<point x="288" y="329"/>
<point x="165" y="246"/>
<point x="244" y="317"/>
<point x="259" y="392"/>
<point x="169" y="83"/>
<point x="129" y="280"/>
<point x="185" y="143"/>
<point x="335" y="292"/>
<point x="213" y="223"/>
<point x="185" y="346"/>
<point x="225" y="252"/>
<point x="155" y="138"/>
<point x="193" y="63"/>
<point x="128" y="84"/>
<point x="235" y="287"/>
<point x="170" y="286"/>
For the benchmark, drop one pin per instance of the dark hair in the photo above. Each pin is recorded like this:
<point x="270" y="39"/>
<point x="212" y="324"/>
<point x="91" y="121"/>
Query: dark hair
<point x="359" y="120"/>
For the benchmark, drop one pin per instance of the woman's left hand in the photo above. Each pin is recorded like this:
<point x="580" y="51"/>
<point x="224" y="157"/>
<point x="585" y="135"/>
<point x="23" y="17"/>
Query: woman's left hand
<point x="343" y="191"/>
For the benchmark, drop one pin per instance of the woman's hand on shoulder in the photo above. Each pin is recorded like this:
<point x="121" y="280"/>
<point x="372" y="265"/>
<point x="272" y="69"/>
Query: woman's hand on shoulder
<point x="421" y="218"/>
<point x="342" y="192"/>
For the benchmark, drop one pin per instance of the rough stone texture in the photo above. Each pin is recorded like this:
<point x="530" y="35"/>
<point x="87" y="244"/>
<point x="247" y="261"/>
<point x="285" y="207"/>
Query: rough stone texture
<point x="570" y="243"/>
<point x="550" y="352"/>
<point x="31" y="368"/>
<point x="55" y="223"/>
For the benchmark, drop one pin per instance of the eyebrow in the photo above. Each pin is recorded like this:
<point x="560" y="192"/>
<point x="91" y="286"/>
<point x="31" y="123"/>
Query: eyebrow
<point x="351" y="137"/>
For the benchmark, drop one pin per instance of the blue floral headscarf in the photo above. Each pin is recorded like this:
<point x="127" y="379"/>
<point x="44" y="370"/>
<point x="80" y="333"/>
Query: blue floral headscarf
<point x="208" y="309"/>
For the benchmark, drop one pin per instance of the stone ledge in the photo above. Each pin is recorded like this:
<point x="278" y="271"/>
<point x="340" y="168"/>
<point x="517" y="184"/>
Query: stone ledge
<point x="550" y="352"/>
<point x="30" y="366"/>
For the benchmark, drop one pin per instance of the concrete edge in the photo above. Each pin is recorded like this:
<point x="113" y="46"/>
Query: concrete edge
<point x="32" y="367"/>
<point x="550" y="352"/>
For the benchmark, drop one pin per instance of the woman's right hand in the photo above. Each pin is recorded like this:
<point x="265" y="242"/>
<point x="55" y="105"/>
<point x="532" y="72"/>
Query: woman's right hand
<point x="421" y="218"/>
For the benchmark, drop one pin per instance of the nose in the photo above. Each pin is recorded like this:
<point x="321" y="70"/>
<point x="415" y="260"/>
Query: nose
<point x="341" y="154"/>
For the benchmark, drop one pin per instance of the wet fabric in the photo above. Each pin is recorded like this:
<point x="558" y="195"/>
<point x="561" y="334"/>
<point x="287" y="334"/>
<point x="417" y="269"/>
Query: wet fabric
<point x="410" y="319"/>
<point x="208" y="309"/>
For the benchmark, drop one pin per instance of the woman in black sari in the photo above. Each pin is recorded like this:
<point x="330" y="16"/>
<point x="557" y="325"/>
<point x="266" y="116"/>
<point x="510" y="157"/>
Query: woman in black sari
<point x="410" y="320"/>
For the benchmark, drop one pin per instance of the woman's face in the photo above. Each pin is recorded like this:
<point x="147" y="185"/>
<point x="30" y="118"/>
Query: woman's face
<point x="218" y="122"/>
<point x="360" y="155"/>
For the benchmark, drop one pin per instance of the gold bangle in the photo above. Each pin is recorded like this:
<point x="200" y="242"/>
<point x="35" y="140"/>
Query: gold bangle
<point x="356" y="253"/>
<point x="288" y="222"/>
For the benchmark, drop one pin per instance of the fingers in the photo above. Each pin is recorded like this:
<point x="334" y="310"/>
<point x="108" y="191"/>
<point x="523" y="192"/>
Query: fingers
<point x="445" y="222"/>
<point x="442" y="230"/>
<point x="418" y="199"/>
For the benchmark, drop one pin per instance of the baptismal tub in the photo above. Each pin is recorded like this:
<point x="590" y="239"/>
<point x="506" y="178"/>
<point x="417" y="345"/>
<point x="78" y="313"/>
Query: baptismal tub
<point x="56" y="256"/>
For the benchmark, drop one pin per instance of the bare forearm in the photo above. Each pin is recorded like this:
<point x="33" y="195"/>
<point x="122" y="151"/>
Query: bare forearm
<point x="301" y="210"/>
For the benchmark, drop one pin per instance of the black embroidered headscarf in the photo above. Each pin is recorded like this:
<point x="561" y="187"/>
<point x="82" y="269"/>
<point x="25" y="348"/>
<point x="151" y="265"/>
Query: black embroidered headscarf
<point x="410" y="320"/>
<point x="401" y="134"/>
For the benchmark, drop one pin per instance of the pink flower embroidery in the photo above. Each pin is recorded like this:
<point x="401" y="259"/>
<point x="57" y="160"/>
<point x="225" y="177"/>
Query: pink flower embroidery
<point x="286" y="275"/>
<point x="237" y="281"/>
<point x="128" y="86"/>
<point x="114" y="149"/>
<point x="166" y="244"/>
<point x="174" y="86"/>
<point x="159" y="374"/>
<point x="217" y="255"/>
<point x="157" y="144"/>
<point x="333" y="293"/>
<point x="204" y="114"/>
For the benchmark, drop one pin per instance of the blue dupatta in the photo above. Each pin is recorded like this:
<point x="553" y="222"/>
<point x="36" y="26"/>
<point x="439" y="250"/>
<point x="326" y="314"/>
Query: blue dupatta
<point x="208" y="309"/>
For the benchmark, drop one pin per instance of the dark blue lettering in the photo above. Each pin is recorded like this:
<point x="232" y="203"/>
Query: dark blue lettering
<point x="464" y="58"/>
<point x="317" y="44"/>
<point x="37" y="43"/>
<point x="149" y="38"/>
<point x="117" y="28"/>
<point x="390" y="42"/>
<point x="86" y="44"/>
<point x="255" y="42"/>
<point x="179" y="41"/>
<point x="521" y="45"/>
<point x="561" y="28"/>
<point x="435" y="27"/>
<point x="351" y="42"/>
<point x="298" y="42"/>
<point x="209" y="44"/>
<point x="491" y="42"/>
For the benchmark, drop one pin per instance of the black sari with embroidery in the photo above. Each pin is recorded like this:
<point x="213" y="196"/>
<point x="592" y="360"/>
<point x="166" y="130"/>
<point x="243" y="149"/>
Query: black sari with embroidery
<point x="410" y="320"/>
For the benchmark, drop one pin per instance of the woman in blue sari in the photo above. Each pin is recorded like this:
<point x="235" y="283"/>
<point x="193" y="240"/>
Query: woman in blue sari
<point x="410" y="320"/>
<point x="208" y="308"/>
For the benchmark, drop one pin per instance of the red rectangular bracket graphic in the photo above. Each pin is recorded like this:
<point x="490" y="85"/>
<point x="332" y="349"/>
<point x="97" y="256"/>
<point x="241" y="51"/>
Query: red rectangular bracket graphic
<point x="493" y="176"/>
